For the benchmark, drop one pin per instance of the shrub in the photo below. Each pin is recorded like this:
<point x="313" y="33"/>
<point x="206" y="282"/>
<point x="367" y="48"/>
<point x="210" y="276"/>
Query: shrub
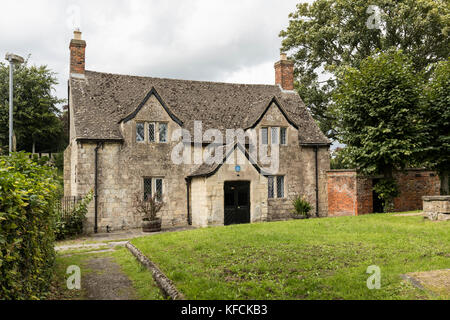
<point x="27" y="196"/>
<point x="148" y="208"/>
<point x="301" y="206"/>
<point x="72" y="224"/>
<point x="387" y="190"/>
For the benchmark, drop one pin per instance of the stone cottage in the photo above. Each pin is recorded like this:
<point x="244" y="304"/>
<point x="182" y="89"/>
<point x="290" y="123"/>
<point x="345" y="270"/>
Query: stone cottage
<point x="125" y="130"/>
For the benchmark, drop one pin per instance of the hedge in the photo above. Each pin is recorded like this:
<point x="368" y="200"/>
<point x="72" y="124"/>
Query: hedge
<point x="27" y="194"/>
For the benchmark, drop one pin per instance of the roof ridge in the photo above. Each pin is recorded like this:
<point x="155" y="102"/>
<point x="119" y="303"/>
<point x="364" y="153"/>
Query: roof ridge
<point x="186" y="80"/>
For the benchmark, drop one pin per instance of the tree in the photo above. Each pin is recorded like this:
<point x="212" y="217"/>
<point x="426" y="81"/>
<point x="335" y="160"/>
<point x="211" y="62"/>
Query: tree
<point x="377" y="113"/>
<point x="36" y="122"/>
<point x="437" y="116"/>
<point x="329" y="34"/>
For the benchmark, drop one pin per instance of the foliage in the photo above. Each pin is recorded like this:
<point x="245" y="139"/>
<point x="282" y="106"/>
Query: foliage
<point x="148" y="207"/>
<point x="377" y="114"/>
<point x="35" y="108"/>
<point x="59" y="162"/>
<point x="301" y="206"/>
<point x="27" y="197"/>
<point x="328" y="34"/>
<point x="437" y="117"/>
<point x="338" y="160"/>
<point x="317" y="259"/>
<point x="72" y="224"/>
<point x="376" y="111"/>
<point x="387" y="190"/>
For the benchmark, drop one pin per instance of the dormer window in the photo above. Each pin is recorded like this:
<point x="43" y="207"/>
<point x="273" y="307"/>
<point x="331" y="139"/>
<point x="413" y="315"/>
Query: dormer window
<point x="152" y="132"/>
<point x="277" y="135"/>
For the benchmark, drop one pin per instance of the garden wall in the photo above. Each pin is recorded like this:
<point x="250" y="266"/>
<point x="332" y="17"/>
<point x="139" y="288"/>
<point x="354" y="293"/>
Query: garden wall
<point x="351" y="194"/>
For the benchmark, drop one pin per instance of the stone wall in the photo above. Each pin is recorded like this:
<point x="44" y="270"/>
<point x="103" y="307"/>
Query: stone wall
<point x="350" y="193"/>
<point x="297" y="164"/>
<point x="437" y="208"/>
<point x="208" y="194"/>
<point x="122" y="168"/>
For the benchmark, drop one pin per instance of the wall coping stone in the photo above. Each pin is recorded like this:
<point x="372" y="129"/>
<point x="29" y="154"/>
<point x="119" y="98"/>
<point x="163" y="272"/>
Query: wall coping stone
<point x="436" y="198"/>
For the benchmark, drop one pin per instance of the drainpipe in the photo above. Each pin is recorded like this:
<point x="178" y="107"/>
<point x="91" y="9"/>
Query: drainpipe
<point x="99" y="144"/>
<point x="188" y="191"/>
<point x="316" y="149"/>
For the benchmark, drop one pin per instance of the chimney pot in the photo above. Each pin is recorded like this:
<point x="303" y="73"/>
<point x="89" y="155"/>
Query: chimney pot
<point x="77" y="34"/>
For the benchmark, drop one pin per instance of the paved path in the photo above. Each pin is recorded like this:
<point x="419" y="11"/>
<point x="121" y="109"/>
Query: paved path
<point x="109" y="240"/>
<point x="105" y="279"/>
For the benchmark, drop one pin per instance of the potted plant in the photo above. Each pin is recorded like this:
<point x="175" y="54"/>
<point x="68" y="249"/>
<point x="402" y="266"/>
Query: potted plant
<point x="301" y="208"/>
<point x="149" y="209"/>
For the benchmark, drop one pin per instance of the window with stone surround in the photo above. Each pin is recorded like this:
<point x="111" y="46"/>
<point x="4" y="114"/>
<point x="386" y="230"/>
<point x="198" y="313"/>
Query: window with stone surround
<point x="154" y="186"/>
<point x="264" y="136"/>
<point x="156" y="132"/>
<point x="275" y="187"/>
<point x="278" y="136"/>
<point x="162" y="132"/>
<point x="275" y="131"/>
<point x="151" y="132"/>
<point x="283" y="136"/>
<point x="140" y="132"/>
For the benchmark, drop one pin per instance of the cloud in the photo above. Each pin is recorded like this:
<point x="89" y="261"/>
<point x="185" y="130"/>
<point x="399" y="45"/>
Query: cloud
<point x="229" y="41"/>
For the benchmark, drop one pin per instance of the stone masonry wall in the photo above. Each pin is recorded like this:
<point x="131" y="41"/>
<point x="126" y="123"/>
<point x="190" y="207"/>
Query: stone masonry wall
<point x="297" y="164"/>
<point x="122" y="168"/>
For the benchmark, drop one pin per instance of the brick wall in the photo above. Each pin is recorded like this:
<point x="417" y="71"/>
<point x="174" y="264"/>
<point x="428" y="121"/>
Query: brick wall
<point x="413" y="185"/>
<point x="342" y="193"/>
<point x="351" y="194"/>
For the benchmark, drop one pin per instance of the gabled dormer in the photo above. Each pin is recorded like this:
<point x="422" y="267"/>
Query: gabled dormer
<point x="152" y="122"/>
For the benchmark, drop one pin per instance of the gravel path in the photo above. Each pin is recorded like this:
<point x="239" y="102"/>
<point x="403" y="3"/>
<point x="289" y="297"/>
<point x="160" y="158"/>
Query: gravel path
<point x="106" y="281"/>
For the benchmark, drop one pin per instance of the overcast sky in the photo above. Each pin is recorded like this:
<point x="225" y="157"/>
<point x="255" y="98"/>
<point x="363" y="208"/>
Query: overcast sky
<point x="213" y="40"/>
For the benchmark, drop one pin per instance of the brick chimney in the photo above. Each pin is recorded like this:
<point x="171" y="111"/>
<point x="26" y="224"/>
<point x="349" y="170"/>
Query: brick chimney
<point x="284" y="73"/>
<point x="77" y="54"/>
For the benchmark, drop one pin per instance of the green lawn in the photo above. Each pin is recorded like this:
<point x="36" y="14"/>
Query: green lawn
<point x="303" y="259"/>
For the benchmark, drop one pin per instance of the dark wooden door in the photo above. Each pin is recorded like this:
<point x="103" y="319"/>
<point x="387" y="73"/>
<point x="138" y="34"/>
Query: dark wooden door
<point x="237" y="202"/>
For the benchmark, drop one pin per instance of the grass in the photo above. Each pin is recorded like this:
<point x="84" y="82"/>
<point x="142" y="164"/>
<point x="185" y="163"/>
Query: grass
<point x="59" y="285"/>
<point x="141" y="278"/>
<point x="302" y="259"/>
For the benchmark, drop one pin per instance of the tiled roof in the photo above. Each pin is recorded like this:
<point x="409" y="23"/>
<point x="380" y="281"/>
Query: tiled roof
<point x="102" y="100"/>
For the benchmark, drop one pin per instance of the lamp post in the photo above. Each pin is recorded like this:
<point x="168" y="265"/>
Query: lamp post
<point x="13" y="59"/>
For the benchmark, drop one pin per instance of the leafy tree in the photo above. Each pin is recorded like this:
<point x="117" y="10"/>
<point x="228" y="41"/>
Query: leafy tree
<point x="328" y="34"/>
<point x="36" y="114"/>
<point x="437" y="116"/>
<point x="338" y="160"/>
<point x="376" y="111"/>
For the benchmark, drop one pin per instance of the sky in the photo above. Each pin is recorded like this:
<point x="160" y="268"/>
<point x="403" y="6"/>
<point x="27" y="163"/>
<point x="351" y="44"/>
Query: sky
<point x="227" y="41"/>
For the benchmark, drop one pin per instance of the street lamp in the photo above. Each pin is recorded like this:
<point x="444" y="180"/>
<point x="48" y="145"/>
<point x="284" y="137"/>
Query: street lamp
<point x="13" y="59"/>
